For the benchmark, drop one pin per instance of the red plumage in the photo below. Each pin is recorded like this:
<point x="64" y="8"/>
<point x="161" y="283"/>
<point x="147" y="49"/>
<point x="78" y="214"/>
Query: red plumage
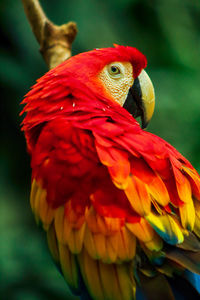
<point x="92" y="158"/>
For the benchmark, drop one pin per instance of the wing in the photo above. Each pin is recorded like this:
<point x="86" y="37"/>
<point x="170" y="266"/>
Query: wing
<point x="111" y="199"/>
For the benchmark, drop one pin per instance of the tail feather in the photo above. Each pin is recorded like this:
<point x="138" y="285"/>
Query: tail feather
<point x="107" y="281"/>
<point x="183" y="289"/>
<point x="156" y="288"/>
<point x="194" y="280"/>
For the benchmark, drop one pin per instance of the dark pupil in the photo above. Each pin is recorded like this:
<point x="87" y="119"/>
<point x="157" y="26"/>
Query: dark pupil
<point x="114" y="69"/>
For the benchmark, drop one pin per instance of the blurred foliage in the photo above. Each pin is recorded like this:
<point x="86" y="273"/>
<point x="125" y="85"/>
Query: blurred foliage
<point x="168" y="32"/>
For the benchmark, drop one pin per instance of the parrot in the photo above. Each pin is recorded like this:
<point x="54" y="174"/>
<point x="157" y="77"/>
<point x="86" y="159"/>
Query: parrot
<point x="120" y="206"/>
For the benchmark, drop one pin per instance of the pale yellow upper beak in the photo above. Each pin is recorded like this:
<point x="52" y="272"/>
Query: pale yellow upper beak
<point x="140" y="101"/>
<point x="147" y="98"/>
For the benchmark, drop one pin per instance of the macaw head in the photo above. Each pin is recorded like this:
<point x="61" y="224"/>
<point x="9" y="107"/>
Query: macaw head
<point x="116" y="74"/>
<point x="125" y="80"/>
<point x="111" y="75"/>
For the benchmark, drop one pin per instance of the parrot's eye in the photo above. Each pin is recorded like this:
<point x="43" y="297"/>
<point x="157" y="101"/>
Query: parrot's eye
<point x="114" y="71"/>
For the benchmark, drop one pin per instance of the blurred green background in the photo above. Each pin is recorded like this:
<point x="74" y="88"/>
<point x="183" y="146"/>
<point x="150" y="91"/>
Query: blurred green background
<point x="168" y="32"/>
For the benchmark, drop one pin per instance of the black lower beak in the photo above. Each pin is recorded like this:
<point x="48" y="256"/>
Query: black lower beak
<point x="133" y="103"/>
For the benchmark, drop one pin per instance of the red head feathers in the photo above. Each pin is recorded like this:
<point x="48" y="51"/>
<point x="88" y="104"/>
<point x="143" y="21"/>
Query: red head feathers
<point x="93" y="61"/>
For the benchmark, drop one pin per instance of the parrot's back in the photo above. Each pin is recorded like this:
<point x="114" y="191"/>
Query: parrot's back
<point x="96" y="233"/>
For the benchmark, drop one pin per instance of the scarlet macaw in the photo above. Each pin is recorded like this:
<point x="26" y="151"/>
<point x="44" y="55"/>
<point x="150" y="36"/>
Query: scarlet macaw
<point x="120" y="206"/>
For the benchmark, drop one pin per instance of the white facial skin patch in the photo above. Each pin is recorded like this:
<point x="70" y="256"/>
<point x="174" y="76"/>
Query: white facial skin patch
<point x="117" y="79"/>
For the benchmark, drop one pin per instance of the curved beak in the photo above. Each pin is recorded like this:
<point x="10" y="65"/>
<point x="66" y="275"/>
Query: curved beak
<point x="141" y="99"/>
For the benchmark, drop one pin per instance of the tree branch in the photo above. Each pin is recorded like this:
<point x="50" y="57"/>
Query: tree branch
<point x="55" y="41"/>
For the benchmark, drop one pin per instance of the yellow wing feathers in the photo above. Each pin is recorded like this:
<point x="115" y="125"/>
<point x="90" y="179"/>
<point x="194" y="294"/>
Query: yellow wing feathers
<point x="104" y="250"/>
